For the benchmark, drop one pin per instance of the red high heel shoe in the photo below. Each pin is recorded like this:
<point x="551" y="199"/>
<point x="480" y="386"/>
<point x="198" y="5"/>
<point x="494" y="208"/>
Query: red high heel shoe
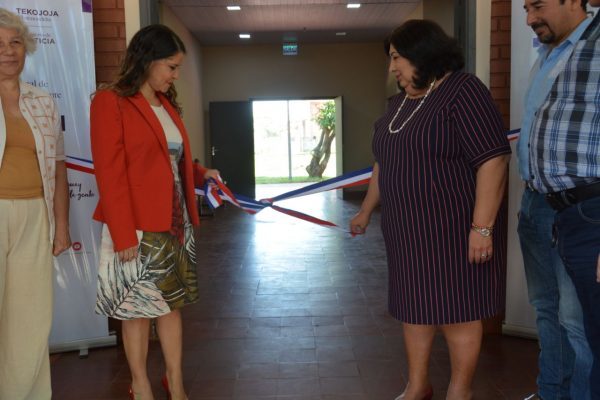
<point x="131" y="394"/>
<point x="427" y="396"/>
<point x="165" y="384"/>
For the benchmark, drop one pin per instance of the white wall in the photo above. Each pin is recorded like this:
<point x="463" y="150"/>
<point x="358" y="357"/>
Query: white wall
<point x="132" y="18"/>
<point x="189" y="86"/>
<point x="357" y="72"/>
<point x="417" y="12"/>
<point x="442" y="12"/>
<point x="520" y="316"/>
<point x="482" y="40"/>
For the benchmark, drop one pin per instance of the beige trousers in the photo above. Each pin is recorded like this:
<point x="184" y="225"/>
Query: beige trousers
<point x="25" y="300"/>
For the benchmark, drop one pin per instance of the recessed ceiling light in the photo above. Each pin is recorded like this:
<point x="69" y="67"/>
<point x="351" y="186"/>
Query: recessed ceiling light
<point x="234" y="8"/>
<point x="353" y="5"/>
<point x="340" y="34"/>
<point x="245" y="36"/>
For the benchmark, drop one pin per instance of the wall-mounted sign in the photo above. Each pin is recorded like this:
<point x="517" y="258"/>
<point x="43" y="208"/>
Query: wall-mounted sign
<point x="290" y="49"/>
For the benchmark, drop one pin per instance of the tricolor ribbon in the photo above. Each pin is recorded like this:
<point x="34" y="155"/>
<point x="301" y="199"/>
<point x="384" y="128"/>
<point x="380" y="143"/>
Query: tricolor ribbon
<point x="216" y="192"/>
<point x="513" y="134"/>
<point x="79" y="164"/>
<point x="215" y="188"/>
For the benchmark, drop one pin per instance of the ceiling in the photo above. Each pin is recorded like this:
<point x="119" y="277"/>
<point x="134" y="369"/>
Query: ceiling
<point x="278" y="21"/>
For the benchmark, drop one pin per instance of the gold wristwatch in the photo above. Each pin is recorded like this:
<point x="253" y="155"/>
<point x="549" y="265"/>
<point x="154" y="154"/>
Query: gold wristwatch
<point x="482" y="230"/>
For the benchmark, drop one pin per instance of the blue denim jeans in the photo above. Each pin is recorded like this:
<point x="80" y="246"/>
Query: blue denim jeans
<point x="565" y="360"/>
<point x="578" y="229"/>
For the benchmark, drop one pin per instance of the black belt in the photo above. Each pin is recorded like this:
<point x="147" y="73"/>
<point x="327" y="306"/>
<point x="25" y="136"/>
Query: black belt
<point x="529" y="185"/>
<point x="566" y="198"/>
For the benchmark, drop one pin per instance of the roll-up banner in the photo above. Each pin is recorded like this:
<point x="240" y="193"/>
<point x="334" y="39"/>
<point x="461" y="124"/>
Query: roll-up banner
<point x="63" y="65"/>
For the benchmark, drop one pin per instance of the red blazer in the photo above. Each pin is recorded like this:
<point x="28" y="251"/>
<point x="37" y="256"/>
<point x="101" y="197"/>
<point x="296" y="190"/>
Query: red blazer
<point x="133" y="167"/>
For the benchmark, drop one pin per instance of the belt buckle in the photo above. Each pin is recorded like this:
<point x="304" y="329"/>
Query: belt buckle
<point x="529" y="185"/>
<point x="556" y="201"/>
<point x="568" y="197"/>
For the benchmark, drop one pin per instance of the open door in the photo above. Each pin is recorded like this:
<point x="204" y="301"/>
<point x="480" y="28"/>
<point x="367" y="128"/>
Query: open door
<point x="232" y="144"/>
<point x="339" y="142"/>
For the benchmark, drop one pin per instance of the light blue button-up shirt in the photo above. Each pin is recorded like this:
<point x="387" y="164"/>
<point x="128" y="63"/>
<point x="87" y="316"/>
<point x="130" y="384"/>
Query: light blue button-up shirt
<point x="549" y="63"/>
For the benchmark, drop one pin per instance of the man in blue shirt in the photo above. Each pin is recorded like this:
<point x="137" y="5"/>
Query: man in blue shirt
<point x="565" y="165"/>
<point x="565" y="360"/>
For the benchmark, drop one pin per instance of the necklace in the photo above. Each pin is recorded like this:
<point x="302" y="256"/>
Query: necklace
<point x="411" y="114"/>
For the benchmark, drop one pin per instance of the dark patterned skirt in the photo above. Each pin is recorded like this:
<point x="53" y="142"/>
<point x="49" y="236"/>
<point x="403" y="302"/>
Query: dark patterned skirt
<point x="161" y="279"/>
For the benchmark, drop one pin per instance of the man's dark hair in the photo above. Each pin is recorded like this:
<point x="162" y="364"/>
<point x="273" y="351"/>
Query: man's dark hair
<point x="583" y="4"/>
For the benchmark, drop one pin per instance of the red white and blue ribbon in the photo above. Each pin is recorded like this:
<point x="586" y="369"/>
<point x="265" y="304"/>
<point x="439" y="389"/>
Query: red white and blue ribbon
<point x="356" y="178"/>
<point x="216" y="192"/>
<point x="80" y="164"/>
<point x="215" y="189"/>
<point x="513" y="134"/>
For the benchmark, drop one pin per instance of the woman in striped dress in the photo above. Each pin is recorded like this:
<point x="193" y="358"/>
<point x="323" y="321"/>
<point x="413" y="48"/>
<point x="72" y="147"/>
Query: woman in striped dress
<point x="440" y="174"/>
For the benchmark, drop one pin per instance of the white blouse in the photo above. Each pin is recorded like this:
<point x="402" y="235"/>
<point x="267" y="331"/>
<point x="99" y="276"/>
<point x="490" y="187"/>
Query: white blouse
<point x="172" y="133"/>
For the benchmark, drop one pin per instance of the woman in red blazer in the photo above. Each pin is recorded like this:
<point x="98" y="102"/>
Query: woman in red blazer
<point x="144" y="173"/>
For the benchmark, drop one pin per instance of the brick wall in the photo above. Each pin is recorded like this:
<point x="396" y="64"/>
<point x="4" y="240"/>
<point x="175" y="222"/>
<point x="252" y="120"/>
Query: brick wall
<point x="500" y="88"/>
<point x="109" y="37"/>
<point x="500" y="57"/>
<point x="109" y="49"/>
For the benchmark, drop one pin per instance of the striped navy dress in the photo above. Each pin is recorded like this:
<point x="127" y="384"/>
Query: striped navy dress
<point x="427" y="188"/>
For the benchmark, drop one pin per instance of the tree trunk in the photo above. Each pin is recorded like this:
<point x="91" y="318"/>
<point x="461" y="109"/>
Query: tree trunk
<point x="320" y="154"/>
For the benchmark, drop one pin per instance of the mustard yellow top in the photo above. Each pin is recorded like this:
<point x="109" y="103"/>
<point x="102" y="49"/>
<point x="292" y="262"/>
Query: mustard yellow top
<point x="20" y="176"/>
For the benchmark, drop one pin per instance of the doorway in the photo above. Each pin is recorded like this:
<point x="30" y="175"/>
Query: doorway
<point x="284" y="134"/>
<point x="296" y="142"/>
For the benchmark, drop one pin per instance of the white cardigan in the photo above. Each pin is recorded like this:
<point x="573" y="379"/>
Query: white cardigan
<point x="41" y="113"/>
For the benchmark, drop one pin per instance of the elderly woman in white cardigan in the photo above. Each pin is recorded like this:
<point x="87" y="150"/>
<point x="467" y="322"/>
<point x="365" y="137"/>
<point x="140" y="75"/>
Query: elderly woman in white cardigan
<point x="34" y="222"/>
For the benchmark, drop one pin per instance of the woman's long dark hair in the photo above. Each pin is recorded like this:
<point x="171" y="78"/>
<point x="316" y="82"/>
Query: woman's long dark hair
<point x="151" y="43"/>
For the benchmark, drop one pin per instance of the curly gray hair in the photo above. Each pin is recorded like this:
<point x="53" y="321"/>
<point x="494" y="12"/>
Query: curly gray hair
<point x="10" y="20"/>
